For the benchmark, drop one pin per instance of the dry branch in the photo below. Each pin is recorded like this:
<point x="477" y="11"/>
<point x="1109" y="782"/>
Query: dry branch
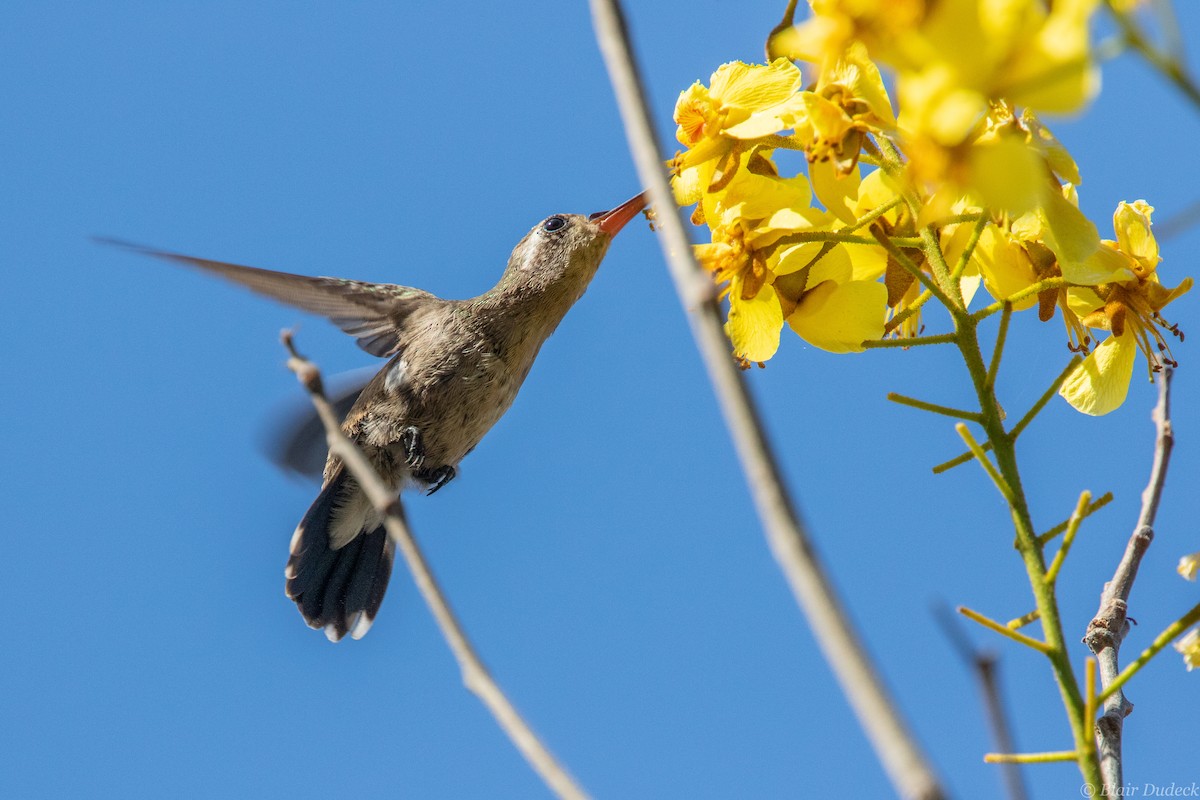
<point x="1107" y="629"/>
<point x="475" y="675"/>
<point x="894" y="744"/>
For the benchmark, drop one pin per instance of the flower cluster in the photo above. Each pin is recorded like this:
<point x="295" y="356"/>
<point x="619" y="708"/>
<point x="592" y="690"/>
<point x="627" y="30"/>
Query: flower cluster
<point x="960" y="187"/>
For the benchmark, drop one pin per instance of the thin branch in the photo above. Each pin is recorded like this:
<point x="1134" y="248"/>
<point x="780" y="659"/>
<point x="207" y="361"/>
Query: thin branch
<point x="909" y="310"/>
<point x="912" y="268"/>
<point x="1108" y="628"/>
<point x="1172" y="69"/>
<point x="1022" y="423"/>
<point x="933" y="408"/>
<point x="998" y="351"/>
<point x="1090" y="701"/>
<point x="917" y="341"/>
<point x="1050" y="392"/>
<point x="931" y="244"/>
<point x="1077" y="517"/>
<point x="1023" y="620"/>
<point x="1030" y="758"/>
<point x="897" y="749"/>
<point x="475" y="674"/>
<point x="981" y="221"/>
<point x="1016" y="297"/>
<point x="840" y="237"/>
<point x="1003" y="630"/>
<point x="981" y="456"/>
<point x="1093" y="507"/>
<point x="985" y="664"/>
<point x="1169" y="634"/>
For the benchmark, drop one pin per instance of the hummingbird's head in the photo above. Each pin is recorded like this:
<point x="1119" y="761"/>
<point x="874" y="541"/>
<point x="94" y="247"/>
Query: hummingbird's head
<point x="563" y="251"/>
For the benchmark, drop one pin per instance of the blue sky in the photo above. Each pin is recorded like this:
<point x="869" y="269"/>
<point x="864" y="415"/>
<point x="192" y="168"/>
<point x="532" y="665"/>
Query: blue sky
<point x="599" y="545"/>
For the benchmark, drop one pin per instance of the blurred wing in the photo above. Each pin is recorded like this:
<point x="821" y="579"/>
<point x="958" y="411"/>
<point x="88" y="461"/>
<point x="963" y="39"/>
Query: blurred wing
<point x="295" y="437"/>
<point x="373" y="313"/>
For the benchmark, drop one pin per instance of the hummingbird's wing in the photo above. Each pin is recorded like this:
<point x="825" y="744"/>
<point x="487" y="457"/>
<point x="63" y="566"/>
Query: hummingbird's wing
<point x="373" y="313"/>
<point x="295" y="437"/>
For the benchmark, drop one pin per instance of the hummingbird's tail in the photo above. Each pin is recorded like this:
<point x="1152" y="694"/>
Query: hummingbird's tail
<point x="340" y="562"/>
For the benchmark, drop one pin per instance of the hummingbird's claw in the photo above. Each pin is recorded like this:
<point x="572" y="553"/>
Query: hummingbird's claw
<point x="414" y="450"/>
<point x="414" y="457"/>
<point x="437" y="477"/>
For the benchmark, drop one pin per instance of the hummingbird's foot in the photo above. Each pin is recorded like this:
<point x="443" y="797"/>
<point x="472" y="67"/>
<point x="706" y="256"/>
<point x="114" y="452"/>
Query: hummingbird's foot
<point x="414" y="449"/>
<point x="437" y="478"/>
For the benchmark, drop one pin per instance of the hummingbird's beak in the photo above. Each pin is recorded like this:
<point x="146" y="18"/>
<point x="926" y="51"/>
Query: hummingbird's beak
<point x="612" y="221"/>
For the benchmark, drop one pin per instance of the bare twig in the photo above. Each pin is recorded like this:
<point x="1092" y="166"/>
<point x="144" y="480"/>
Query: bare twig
<point x="1107" y="630"/>
<point x="895" y="745"/>
<point x="475" y="674"/>
<point x="1173" y="69"/>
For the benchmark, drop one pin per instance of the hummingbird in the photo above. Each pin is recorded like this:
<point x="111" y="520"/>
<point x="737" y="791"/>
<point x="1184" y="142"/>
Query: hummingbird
<point x="454" y="367"/>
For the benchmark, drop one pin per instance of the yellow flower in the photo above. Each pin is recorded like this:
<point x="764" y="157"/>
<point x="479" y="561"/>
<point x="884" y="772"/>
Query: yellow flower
<point x="870" y="262"/>
<point x="1005" y="165"/>
<point x="970" y="53"/>
<point x="848" y="102"/>
<point x="1189" y="565"/>
<point x="836" y="24"/>
<point x="742" y="102"/>
<point x="1004" y="265"/>
<point x="1129" y="304"/>
<point x="772" y="275"/>
<point x="1189" y="647"/>
<point x="839" y="316"/>
<point x="1060" y="242"/>
<point x="747" y="219"/>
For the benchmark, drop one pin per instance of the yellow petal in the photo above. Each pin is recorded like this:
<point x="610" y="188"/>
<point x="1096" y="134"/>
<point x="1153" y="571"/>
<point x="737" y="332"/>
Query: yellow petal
<point x="692" y="111"/>
<point x="875" y="190"/>
<point x="1007" y="174"/>
<point x="796" y="219"/>
<point x="833" y="266"/>
<point x="753" y="325"/>
<point x="969" y="284"/>
<point x="1189" y="565"/>
<point x="1106" y="265"/>
<point x="858" y="73"/>
<point x="687" y="186"/>
<point x="1057" y="156"/>
<point x="811" y="40"/>
<point x="753" y="87"/>
<point x="827" y="120"/>
<point x="1101" y="382"/>
<point x="933" y="102"/>
<point x="713" y="255"/>
<point x="838" y="193"/>
<point x="954" y="114"/>
<point x="839" y="318"/>
<point x="1131" y="221"/>
<point x="1189" y="648"/>
<point x="1053" y="72"/>
<point x="759" y="196"/>
<point x="1005" y="267"/>
<point x="789" y="258"/>
<point x="867" y="261"/>
<point x="1070" y="235"/>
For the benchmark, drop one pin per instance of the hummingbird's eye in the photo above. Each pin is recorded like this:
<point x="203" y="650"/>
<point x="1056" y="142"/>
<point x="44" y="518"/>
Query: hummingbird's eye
<point x="554" y="224"/>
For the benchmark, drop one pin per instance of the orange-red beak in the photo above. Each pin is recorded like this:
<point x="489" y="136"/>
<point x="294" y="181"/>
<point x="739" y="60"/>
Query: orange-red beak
<point x="612" y="221"/>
